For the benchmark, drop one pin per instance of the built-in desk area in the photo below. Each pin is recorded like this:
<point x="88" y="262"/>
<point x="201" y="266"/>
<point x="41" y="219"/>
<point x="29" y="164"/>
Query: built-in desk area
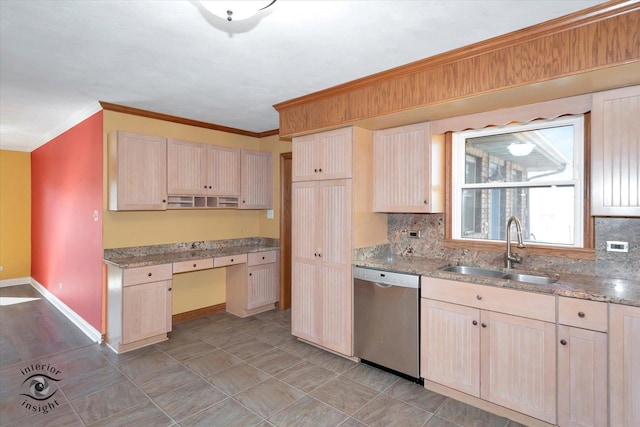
<point x="139" y="284"/>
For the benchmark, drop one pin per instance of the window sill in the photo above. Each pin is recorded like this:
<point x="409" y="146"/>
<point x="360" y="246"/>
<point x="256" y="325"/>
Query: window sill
<point x="531" y="249"/>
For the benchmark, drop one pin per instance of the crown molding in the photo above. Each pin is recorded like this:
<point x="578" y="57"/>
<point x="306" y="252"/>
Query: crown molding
<point x="184" y="121"/>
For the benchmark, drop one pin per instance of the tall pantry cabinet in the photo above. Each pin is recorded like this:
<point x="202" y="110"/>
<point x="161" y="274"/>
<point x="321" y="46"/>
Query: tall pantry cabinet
<point x="331" y="216"/>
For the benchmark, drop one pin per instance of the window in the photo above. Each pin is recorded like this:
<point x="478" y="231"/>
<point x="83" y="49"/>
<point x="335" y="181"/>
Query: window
<point x="533" y="171"/>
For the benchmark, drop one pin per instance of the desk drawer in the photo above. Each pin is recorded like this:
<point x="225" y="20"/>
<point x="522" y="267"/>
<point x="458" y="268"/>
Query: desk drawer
<point x="582" y="313"/>
<point x="194" y="265"/>
<point x="222" y="261"/>
<point x="152" y="273"/>
<point x="258" y="258"/>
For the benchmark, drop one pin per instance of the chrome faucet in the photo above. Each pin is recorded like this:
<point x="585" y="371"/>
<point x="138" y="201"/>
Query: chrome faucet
<point x="513" y="258"/>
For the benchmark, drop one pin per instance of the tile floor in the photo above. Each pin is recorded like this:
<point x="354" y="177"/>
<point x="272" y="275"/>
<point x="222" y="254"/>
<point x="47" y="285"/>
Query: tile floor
<point x="218" y="371"/>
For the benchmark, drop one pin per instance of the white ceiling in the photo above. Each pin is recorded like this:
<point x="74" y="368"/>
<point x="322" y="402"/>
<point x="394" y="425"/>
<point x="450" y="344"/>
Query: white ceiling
<point x="58" y="58"/>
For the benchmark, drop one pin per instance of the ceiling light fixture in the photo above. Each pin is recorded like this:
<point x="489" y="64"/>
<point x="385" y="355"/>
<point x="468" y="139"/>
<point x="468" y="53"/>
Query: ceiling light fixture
<point x="520" y="149"/>
<point x="236" y="10"/>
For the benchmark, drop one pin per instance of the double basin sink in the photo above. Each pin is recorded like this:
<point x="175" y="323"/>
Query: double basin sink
<point x="485" y="272"/>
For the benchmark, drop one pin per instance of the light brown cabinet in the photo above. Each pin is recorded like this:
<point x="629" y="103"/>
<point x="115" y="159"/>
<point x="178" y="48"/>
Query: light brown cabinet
<point x="139" y="306"/>
<point x="490" y="348"/>
<point x="321" y="298"/>
<point x="202" y="169"/>
<point x="322" y="156"/>
<point x="257" y="180"/>
<point x="253" y="282"/>
<point x="615" y="152"/>
<point x="624" y="365"/>
<point x="409" y="167"/>
<point x="137" y="172"/>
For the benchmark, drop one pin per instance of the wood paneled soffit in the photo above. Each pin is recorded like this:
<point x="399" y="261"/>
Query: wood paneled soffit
<point x="587" y="51"/>
<point x="181" y="120"/>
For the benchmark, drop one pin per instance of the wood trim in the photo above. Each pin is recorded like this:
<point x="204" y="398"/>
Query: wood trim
<point x="181" y="120"/>
<point x="197" y="313"/>
<point x="285" y="230"/>
<point x="602" y="38"/>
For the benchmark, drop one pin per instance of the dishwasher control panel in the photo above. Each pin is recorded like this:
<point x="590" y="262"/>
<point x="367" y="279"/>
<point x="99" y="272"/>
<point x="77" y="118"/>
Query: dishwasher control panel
<point x="387" y="277"/>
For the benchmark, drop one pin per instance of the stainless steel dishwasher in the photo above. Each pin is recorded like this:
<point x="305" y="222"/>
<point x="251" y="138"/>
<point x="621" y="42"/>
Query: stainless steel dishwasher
<point x="386" y="320"/>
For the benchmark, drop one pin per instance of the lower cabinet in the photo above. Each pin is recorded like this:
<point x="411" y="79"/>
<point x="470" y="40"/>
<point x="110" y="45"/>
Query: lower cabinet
<point x="146" y="311"/>
<point x="139" y="306"/>
<point x="624" y="365"/>
<point x="487" y="348"/>
<point x="504" y="359"/>
<point x="253" y="287"/>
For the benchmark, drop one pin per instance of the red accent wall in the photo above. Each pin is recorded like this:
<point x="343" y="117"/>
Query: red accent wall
<point x="66" y="242"/>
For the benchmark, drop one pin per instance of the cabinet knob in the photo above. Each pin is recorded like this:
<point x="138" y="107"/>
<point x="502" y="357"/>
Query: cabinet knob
<point x="563" y="342"/>
<point x="205" y="187"/>
<point x="484" y="325"/>
<point x="231" y="259"/>
<point x="320" y="170"/>
<point x="315" y="170"/>
<point x="475" y="323"/>
<point x="194" y="265"/>
<point x="581" y="314"/>
<point x="250" y="274"/>
<point x="164" y="200"/>
<point x="169" y="289"/>
<point x="210" y="187"/>
<point x="262" y="257"/>
<point x="319" y="255"/>
<point x="149" y="274"/>
<point x="315" y="254"/>
<point x="478" y="297"/>
<point x="426" y="202"/>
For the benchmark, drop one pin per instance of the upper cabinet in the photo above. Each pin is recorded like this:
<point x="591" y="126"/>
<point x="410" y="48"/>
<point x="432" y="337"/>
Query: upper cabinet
<point x="615" y="152"/>
<point x="408" y="167"/>
<point x="202" y="169"/>
<point x="324" y="155"/>
<point x="257" y="182"/>
<point x="155" y="173"/>
<point x="137" y="172"/>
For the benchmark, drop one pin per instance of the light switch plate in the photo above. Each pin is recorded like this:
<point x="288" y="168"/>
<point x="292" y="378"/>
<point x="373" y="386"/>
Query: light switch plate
<point x="269" y="213"/>
<point x="614" y="246"/>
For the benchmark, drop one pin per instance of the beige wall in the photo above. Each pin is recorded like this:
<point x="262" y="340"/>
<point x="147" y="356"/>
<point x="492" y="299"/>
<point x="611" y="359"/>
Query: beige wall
<point x="126" y="229"/>
<point x="15" y="214"/>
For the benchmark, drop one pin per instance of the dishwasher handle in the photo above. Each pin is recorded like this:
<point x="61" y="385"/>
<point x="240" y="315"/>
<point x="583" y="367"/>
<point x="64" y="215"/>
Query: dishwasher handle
<point x="382" y="285"/>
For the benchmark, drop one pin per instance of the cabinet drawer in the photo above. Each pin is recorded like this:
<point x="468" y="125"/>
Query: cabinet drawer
<point x="508" y="301"/>
<point x="152" y="273"/>
<point x="582" y="313"/>
<point x="194" y="265"/>
<point x="257" y="258"/>
<point x="222" y="261"/>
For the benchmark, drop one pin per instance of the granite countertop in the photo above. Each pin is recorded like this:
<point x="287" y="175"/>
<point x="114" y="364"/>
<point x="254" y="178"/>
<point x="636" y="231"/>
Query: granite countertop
<point x="143" y="256"/>
<point x="568" y="285"/>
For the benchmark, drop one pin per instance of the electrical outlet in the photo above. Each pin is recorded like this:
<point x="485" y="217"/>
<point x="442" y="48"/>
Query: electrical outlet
<point x="414" y="234"/>
<point x="613" y="246"/>
<point x="269" y="213"/>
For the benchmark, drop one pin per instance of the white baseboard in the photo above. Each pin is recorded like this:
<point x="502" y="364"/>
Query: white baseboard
<point x="15" y="282"/>
<point x="82" y="324"/>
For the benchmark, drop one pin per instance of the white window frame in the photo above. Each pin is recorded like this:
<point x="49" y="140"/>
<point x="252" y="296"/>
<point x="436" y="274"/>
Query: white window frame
<point x="458" y="174"/>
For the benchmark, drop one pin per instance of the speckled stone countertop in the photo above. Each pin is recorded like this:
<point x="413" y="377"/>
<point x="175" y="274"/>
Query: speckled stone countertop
<point x="142" y="256"/>
<point x="568" y="285"/>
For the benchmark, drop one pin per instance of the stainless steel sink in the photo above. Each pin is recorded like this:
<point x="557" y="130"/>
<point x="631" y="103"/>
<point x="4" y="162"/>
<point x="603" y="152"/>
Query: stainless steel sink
<point x="475" y="271"/>
<point x="529" y="278"/>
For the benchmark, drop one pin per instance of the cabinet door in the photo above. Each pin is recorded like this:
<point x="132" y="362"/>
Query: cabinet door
<point x="582" y="377"/>
<point x="624" y="365"/>
<point x="450" y="345"/>
<point x="223" y="171"/>
<point x="401" y="161"/>
<point x="334" y="252"/>
<point x="263" y="286"/>
<point x="518" y="364"/>
<point x="137" y="172"/>
<point x="186" y="168"/>
<point x="305" y="295"/>
<point x="615" y="152"/>
<point x="325" y="155"/>
<point x="257" y="180"/>
<point x="146" y="310"/>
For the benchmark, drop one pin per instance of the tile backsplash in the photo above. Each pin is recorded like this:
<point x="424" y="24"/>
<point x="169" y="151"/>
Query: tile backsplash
<point x="606" y="264"/>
